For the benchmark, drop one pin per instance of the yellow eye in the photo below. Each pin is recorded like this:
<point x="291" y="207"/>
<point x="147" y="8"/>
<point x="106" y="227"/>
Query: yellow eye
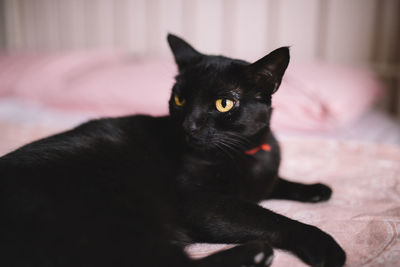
<point x="178" y="101"/>
<point x="224" y="105"/>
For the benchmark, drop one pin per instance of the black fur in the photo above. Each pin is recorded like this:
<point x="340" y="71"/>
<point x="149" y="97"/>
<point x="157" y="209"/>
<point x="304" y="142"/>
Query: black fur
<point x="132" y="191"/>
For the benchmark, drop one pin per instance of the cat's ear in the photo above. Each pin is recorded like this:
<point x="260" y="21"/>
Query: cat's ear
<point x="268" y="71"/>
<point x="184" y="53"/>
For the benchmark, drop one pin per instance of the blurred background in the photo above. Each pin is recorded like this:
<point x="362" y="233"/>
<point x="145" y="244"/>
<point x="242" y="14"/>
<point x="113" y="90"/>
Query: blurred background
<point x="83" y="56"/>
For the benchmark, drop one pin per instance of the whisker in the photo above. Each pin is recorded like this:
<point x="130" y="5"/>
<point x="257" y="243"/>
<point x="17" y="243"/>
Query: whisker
<point x="242" y="138"/>
<point x="231" y="146"/>
<point x="234" y="142"/>
<point x="221" y="147"/>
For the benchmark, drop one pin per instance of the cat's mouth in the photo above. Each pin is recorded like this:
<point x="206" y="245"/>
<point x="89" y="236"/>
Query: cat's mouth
<point x="197" y="143"/>
<point x="201" y="142"/>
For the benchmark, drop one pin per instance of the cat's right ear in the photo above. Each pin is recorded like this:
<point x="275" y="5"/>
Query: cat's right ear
<point x="268" y="71"/>
<point x="184" y="53"/>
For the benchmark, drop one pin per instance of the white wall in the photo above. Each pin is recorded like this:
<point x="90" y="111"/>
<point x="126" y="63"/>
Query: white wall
<point x="361" y="32"/>
<point x="337" y="30"/>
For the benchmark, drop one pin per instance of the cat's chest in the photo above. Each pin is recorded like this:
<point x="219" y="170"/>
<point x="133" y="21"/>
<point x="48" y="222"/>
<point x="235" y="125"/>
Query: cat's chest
<point x="249" y="177"/>
<point x="255" y="175"/>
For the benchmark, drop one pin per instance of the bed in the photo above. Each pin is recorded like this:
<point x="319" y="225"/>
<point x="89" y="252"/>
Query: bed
<point x="323" y="115"/>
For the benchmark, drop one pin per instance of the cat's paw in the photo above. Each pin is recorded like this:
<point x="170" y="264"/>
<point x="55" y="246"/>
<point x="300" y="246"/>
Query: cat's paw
<point x="317" y="193"/>
<point x="257" y="254"/>
<point x="252" y="254"/>
<point x="321" y="250"/>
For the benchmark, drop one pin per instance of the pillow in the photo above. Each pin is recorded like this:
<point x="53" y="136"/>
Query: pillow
<point x="318" y="96"/>
<point x="312" y="97"/>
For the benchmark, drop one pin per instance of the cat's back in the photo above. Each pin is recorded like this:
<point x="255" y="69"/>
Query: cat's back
<point x="118" y="151"/>
<point x="101" y="180"/>
<point x="95" y="138"/>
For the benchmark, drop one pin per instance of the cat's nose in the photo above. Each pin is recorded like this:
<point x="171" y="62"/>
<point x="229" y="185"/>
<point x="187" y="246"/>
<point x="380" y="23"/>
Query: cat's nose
<point x="191" y="126"/>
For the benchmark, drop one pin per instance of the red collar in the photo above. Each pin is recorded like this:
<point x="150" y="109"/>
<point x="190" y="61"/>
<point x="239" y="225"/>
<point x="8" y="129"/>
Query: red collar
<point x="253" y="151"/>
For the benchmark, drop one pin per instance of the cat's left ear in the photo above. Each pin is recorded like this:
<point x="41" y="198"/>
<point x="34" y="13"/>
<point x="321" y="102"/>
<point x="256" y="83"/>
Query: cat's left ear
<point x="268" y="71"/>
<point x="184" y="53"/>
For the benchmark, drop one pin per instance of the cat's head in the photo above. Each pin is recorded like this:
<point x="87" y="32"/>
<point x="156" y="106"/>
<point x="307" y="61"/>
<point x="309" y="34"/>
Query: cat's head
<point x="223" y="103"/>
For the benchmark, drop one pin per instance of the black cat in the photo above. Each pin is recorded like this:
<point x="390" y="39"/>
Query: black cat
<point x="132" y="191"/>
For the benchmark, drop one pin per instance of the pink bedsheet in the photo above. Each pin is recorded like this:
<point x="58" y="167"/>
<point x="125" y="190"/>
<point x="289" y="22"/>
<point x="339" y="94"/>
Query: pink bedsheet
<point x="363" y="214"/>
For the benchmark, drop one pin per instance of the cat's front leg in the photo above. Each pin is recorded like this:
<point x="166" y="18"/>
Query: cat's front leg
<point x="215" y="218"/>
<point x="284" y="189"/>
